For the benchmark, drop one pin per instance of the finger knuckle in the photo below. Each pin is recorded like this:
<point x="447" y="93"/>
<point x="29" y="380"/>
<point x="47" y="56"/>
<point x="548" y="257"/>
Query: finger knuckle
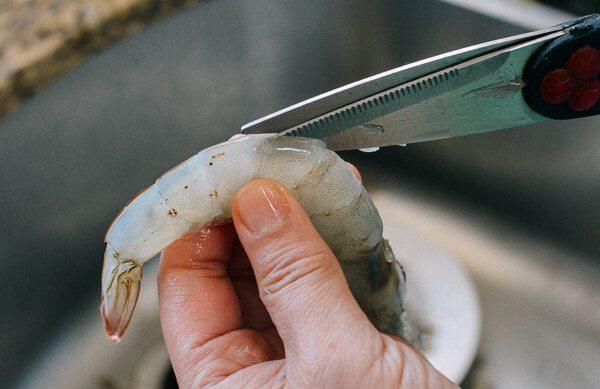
<point x="294" y="264"/>
<point x="214" y="367"/>
<point x="403" y="359"/>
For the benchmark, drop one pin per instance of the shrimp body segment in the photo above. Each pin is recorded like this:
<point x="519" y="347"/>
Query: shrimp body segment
<point x="198" y="193"/>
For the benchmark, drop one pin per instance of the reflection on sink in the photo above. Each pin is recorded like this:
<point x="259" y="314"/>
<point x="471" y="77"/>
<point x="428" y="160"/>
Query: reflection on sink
<point x="74" y="153"/>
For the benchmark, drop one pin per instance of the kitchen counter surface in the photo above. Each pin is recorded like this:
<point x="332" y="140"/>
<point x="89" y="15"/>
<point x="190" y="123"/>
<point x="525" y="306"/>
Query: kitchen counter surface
<point x="40" y="39"/>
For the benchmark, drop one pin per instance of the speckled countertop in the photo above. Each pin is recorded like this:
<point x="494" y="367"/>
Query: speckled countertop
<point x="39" y="39"/>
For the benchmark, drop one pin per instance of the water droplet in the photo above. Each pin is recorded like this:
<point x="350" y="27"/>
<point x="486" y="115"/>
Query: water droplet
<point x="369" y="149"/>
<point x="402" y="144"/>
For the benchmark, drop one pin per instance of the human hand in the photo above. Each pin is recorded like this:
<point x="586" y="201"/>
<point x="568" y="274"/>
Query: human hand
<point x="270" y="307"/>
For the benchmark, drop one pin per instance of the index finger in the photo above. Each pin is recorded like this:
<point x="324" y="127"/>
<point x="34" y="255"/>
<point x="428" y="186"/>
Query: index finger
<point x="196" y="298"/>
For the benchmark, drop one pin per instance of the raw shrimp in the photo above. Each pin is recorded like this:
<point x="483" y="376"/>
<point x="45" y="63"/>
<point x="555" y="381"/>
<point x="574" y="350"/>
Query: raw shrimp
<point x="198" y="193"/>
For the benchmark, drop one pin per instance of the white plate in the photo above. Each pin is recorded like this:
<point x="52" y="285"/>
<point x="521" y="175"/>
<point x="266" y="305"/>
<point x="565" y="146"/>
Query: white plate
<point x="441" y="296"/>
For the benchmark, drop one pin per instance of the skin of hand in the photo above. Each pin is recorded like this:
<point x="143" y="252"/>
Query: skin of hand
<point x="263" y="302"/>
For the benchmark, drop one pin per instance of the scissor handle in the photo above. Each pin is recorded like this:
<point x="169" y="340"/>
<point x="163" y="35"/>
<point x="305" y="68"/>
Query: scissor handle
<point x="562" y="79"/>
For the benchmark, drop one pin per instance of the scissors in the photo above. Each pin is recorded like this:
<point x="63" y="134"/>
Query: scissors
<point x="553" y="73"/>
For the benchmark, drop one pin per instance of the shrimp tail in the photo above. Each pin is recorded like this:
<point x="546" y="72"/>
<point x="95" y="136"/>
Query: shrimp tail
<point x="120" y="295"/>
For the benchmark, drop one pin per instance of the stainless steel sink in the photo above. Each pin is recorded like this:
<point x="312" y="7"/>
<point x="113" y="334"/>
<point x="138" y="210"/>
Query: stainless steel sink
<point x="73" y="154"/>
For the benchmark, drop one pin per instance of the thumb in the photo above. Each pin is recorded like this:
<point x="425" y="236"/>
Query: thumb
<point x="299" y="278"/>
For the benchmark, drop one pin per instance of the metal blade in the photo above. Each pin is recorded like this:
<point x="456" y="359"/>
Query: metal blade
<point x="480" y="95"/>
<point x="322" y="104"/>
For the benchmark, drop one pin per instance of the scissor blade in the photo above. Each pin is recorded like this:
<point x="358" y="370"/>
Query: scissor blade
<point x="477" y="96"/>
<point x="306" y="110"/>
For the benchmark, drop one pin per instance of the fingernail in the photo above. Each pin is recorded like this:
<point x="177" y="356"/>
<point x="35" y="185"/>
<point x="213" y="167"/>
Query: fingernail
<point x="262" y="207"/>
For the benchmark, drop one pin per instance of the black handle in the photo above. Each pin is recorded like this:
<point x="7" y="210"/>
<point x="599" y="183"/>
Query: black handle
<point x="558" y="84"/>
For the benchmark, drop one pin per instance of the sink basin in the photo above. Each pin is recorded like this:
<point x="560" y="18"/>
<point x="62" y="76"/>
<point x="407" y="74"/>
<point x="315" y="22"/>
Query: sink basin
<point x="74" y="153"/>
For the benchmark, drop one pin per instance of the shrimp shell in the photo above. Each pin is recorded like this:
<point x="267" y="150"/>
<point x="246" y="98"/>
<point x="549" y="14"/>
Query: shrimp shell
<point x="198" y="192"/>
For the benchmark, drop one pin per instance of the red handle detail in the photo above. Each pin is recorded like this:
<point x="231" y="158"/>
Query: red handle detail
<point x="578" y="84"/>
